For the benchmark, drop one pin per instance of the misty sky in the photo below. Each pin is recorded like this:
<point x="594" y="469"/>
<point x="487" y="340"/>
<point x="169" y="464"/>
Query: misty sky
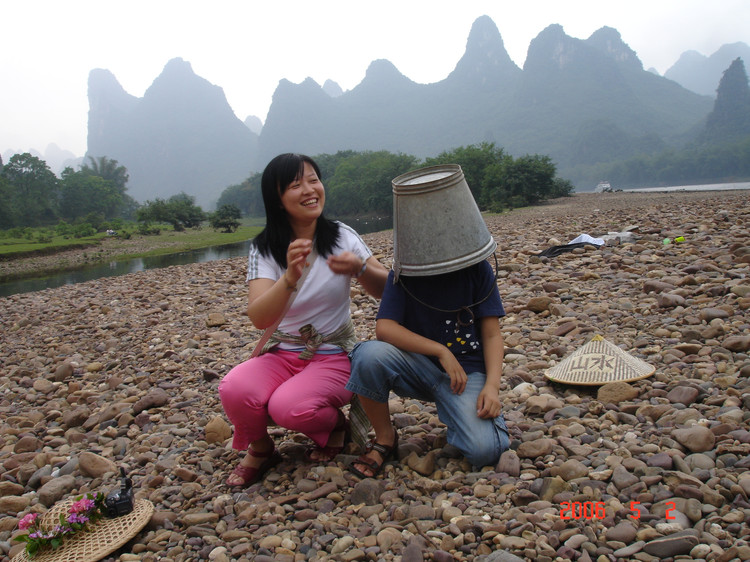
<point x="48" y="47"/>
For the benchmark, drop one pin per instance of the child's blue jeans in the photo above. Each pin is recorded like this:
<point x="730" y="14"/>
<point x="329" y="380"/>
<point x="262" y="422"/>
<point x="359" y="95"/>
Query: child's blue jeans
<point x="379" y="367"/>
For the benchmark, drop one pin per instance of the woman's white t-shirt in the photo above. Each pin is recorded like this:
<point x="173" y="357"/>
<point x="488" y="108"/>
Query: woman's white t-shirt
<point x="323" y="298"/>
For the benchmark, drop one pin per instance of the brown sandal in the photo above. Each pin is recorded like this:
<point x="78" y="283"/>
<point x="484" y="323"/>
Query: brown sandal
<point x="251" y="474"/>
<point x="386" y="452"/>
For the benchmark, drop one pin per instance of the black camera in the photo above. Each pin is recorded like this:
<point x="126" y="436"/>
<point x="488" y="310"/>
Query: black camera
<point x="120" y="502"/>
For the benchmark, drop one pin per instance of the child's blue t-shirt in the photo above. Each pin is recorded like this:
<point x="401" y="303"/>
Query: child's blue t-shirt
<point x="454" y="294"/>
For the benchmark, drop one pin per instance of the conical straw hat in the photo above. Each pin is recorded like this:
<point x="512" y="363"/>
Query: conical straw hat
<point x="599" y="362"/>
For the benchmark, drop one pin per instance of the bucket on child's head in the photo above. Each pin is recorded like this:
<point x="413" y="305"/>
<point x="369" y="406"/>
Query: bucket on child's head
<point x="437" y="226"/>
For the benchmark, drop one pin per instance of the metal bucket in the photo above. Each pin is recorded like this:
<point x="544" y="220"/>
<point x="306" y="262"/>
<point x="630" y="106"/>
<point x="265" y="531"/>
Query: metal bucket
<point x="437" y="226"/>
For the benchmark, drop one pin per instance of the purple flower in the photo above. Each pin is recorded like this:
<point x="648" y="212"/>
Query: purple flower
<point x="36" y="535"/>
<point x="77" y="518"/>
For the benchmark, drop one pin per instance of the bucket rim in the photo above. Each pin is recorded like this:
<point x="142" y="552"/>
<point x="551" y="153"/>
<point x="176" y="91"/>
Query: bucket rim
<point x="453" y="174"/>
<point x="448" y="266"/>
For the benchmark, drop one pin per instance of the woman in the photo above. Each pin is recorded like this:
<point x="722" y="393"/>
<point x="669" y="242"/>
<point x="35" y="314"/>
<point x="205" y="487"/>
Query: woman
<point x="299" y="382"/>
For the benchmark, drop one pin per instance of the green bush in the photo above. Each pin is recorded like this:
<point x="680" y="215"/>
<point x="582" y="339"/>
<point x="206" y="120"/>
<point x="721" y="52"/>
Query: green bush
<point x="147" y="229"/>
<point x="82" y="230"/>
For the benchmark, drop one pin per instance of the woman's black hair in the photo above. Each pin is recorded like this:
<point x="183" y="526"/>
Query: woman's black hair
<point x="275" y="238"/>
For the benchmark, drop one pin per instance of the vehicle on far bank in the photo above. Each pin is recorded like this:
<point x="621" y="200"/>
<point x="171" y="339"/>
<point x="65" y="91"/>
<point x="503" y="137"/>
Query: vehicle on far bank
<point x="603" y="187"/>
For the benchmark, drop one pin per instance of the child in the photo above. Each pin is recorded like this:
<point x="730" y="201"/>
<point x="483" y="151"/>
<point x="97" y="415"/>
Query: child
<point x="438" y="340"/>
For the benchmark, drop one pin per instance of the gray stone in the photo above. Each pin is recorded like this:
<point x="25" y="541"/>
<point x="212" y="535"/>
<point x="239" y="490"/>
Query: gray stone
<point x="368" y="491"/>
<point x="695" y="438"/>
<point x="683" y="395"/>
<point x="54" y="490"/>
<point x="616" y="393"/>
<point x="502" y="556"/>
<point x="509" y="463"/>
<point x="624" y="531"/>
<point x="672" y="545"/>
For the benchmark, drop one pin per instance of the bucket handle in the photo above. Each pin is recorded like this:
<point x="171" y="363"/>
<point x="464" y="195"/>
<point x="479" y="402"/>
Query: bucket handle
<point x="460" y="309"/>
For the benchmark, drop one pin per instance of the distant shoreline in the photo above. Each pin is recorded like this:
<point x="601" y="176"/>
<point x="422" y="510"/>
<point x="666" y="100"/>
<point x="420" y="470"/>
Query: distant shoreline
<point x="579" y="204"/>
<point x="728" y="186"/>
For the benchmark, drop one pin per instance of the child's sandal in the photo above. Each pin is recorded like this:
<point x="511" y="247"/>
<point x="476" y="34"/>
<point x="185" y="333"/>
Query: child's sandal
<point x="386" y="452"/>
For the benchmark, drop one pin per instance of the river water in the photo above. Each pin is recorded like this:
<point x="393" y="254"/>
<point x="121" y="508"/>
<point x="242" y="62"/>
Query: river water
<point x="114" y="268"/>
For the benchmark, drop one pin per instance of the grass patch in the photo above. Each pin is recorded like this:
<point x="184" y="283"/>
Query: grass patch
<point x="171" y="242"/>
<point x="21" y="248"/>
<point x="42" y="242"/>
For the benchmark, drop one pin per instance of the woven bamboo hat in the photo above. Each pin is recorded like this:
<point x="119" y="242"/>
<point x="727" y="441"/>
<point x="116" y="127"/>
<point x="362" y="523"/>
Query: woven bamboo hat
<point x="102" y="538"/>
<point x="599" y="362"/>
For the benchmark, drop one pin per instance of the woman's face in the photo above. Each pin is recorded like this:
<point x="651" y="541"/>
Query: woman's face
<point x="304" y="198"/>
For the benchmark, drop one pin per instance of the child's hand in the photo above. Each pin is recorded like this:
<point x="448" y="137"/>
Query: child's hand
<point x="455" y="371"/>
<point x="488" y="403"/>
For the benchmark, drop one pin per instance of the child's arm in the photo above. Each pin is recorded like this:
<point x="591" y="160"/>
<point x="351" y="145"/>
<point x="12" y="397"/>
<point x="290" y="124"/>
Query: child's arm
<point x="493" y="344"/>
<point x="394" y="333"/>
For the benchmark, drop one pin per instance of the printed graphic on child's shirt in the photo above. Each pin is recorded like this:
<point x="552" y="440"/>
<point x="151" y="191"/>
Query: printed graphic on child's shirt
<point x="457" y="337"/>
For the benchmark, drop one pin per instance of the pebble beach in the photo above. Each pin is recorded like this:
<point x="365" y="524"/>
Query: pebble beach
<point x="123" y="372"/>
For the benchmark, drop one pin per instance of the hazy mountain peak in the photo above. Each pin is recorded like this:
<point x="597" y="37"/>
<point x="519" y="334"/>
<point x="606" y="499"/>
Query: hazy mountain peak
<point x="690" y="57"/>
<point x="178" y="65"/>
<point x="382" y="70"/>
<point x="485" y="58"/>
<point x="296" y="94"/>
<point x="109" y="107"/>
<point x="609" y="41"/>
<point x="332" y="88"/>
<point x="182" y="135"/>
<point x="310" y="83"/>
<point x="552" y="47"/>
<point x="702" y="74"/>
<point x="178" y="80"/>
<point x="254" y="123"/>
<point x="102" y="83"/>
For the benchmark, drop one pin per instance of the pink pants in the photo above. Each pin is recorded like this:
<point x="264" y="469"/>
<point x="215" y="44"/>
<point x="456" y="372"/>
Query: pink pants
<point x="301" y="395"/>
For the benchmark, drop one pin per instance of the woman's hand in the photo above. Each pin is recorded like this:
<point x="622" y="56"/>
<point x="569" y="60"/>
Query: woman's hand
<point x="296" y="258"/>
<point x="346" y="263"/>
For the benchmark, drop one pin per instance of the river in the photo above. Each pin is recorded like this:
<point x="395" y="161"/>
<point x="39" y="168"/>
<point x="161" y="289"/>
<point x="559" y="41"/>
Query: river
<point x="114" y="268"/>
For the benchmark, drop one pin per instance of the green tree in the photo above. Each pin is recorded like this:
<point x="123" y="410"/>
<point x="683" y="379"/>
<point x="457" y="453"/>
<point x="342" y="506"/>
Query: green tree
<point x="562" y="188"/>
<point x="7" y="213"/>
<point x="518" y="182"/>
<point x="529" y="179"/>
<point x="247" y="197"/>
<point x="35" y="190"/>
<point x="328" y="162"/>
<point x="361" y="183"/>
<point x="82" y="193"/>
<point x="179" y="210"/>
<point x="107" y="169"/>
<point x="111" y="170"/>
<point x="226" y="218"/>
<point x="474" y="160"/>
